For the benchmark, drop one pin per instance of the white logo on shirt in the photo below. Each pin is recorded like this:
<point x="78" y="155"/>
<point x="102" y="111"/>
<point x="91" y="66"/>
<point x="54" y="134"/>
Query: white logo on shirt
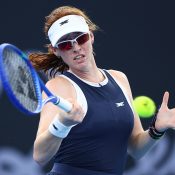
<point x="120" y="104"/>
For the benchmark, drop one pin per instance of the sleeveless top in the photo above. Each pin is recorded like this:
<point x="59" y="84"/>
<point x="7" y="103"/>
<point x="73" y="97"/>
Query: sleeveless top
<point x="100" y="142"/>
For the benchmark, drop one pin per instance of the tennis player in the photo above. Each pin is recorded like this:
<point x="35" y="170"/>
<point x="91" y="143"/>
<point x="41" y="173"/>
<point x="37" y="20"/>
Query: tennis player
<point x="95" y="136"/>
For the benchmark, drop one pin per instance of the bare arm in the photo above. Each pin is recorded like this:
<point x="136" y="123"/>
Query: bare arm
<point x="46" y="145"/>
<point x="140" y="140"/>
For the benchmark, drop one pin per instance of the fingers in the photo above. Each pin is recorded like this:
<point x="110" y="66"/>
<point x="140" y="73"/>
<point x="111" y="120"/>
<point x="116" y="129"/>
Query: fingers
<point x="76" y="107"/>
<point x="165" y="99"/>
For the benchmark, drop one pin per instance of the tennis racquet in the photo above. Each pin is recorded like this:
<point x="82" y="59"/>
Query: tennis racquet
<point x="22" y="83"/>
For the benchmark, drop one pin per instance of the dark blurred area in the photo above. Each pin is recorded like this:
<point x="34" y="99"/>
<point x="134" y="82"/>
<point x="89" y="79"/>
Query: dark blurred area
<point x="136" y="37"/>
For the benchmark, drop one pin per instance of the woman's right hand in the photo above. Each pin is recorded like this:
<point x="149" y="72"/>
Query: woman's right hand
<point x="74" y="117"/>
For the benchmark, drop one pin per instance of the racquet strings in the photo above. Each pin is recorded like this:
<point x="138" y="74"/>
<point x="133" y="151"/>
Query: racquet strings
<point x="20" y="79"/>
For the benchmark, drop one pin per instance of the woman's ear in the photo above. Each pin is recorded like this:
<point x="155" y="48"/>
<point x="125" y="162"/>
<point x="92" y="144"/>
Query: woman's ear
<point x="53" y="50"/>
<point x="92" y="37"/>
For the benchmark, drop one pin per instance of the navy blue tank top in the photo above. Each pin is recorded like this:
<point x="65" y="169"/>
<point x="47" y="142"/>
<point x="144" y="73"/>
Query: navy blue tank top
<point x="100" y="142"/>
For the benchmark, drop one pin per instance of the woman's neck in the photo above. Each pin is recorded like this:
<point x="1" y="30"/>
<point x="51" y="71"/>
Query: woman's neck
<point x="94" y="75"/>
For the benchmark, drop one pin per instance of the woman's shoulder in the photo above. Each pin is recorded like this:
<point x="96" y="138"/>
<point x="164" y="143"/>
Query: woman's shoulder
<point x="58" y="80"/>
<point x="60" y="85"/>
<point x="118" y="74"/>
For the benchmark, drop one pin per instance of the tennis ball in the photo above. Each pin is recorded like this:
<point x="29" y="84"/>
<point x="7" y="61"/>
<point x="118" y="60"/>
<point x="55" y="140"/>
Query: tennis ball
<point x="144" y="106"/>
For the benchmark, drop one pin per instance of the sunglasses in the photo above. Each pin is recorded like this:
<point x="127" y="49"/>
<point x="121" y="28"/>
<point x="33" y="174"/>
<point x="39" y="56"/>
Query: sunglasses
<point x="68" y="44"/>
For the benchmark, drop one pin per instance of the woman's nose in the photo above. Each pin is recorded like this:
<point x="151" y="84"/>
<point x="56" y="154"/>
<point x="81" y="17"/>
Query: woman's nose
<point x="76" y="46"/>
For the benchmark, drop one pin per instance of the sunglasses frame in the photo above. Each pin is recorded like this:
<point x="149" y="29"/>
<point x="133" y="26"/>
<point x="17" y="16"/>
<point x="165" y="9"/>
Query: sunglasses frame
<point x="72" y="41"/>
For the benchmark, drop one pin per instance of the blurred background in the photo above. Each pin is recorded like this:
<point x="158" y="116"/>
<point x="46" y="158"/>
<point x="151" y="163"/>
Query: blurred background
<point x="136" y="37"/>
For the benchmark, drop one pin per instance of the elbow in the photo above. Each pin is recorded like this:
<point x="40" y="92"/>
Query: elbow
<point x="39" y="160"/>
<point x="38" y="155"/>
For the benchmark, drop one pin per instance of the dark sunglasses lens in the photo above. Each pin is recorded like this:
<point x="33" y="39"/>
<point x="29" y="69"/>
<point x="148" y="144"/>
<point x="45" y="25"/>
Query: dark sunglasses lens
<point x="65" y="46"/>
<point x="82" y="39"/>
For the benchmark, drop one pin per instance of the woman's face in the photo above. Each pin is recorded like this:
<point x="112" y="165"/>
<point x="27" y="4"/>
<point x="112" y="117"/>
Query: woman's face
<point x="78" y="53"/>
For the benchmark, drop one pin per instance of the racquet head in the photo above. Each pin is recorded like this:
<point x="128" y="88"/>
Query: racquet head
<point x="19" y="79"/>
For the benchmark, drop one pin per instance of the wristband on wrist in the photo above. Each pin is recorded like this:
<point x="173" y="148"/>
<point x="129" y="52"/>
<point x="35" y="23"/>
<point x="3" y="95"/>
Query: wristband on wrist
<point x="58" y="129"/>
<point x="153" y="131"/>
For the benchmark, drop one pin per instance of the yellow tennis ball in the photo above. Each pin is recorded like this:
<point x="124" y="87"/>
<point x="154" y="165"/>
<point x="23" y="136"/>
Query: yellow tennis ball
<point x="144" y="106"/>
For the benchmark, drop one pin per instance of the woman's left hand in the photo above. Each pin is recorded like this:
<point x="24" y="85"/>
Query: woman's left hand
<point x="165" y="116"/>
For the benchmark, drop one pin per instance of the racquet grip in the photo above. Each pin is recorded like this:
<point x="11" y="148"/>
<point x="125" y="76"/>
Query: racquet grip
<point x="64" y="104"/>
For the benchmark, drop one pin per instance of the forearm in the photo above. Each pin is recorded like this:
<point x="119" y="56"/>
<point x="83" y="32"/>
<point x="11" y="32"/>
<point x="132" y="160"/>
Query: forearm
<point x="45" y="147"/>
<point x="141" y="144"/>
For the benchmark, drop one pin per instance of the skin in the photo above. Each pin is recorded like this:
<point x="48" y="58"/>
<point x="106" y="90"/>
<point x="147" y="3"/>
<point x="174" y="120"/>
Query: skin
<point x="46" y="145"/>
